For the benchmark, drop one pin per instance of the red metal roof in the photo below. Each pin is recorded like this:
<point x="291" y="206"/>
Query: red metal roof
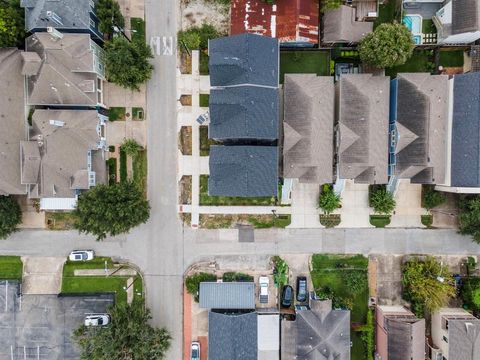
<point x="287" y="20"/>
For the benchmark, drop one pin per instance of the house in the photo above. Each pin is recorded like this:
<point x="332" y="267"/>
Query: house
<point x="244" y="59"/>
<point x="227" y="295"/>
<point x="268" y="330"/>
<point x="232" y="336"/>
<point x="317" y="333"/>
<point x="458" y="22"/>
<point x="308" y="128"/>
<point x="363" y="114"/>
<point x="12" y="121"/>
<point x="293" y="23"/>
<point x="341" y="26"/>
<point x="418" y="127"/>
<point x="244" y="113"/>
<point x="455" y="335"/>
<point x="400" y="335"/>
<point x="63" y="71"/>
<point x="463" y="137"/>
<point x="64" y="155"/>
<point x="66" y="16"/>
<point x="245" y="171"/>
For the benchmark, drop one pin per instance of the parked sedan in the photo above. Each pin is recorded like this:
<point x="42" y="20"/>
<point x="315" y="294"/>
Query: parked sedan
<point x="97" y="320"/>
<point x="195" y="351"/>
<point x="287" y="296"/>
<point x="301" y="288"/>
<point x="81" y="255"/>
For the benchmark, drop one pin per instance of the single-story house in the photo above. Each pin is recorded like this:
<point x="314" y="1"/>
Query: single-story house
<point x="227" y="295"/>
<point x="341" y="26"/>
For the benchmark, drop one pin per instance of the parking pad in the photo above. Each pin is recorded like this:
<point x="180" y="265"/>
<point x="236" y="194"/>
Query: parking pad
<point x="41" y="326"/>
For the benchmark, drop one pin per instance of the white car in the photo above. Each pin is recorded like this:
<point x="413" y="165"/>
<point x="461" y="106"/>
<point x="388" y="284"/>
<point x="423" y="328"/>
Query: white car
<point x="195" y="351"/>
<point x="263" y="281"/>
<point x="97" y="320"/>
<point x="81" y="255"/>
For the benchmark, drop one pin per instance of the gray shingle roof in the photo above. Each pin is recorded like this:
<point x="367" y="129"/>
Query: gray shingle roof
<point x="227" y="295"/>
<point x="406" y="338"/>
<point x="465" y="164"/>
<point x="363" y="126"/>
<point x="422" y="121"/>
<point x="12" y="121"/>
<point x="319" y="333"/>
<point x="245" y="112"/>
<point x="74" y="14"/>
<point x="66" y="76"/>
<point x="308" y="128"/>
<point x="464" y="339"/>
<point x="244" y="59"/>
<point x="244" y="171"/>
<point x="340" y="26"/>
<point x="232" y="337"/>
<point x="64" y="152"/>
<point x="465" y="16"/>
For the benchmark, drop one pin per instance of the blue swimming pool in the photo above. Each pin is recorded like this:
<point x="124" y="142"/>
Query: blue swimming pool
<point x="413" y="23"/>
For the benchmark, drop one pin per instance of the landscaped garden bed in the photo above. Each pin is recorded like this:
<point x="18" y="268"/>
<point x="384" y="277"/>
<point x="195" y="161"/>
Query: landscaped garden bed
<point x="60" y="220"/>
<point x="112" y="171"/>
<point x="138" y="113"/>
<point x="331" y="220"/>
<point x="204" y="100"/>
<point x="185" y="140"/>
<point x="427" y="220"/>
<point x="205" y="142"/>
<point x="116" y="114"/>
<point x="228" y="221"/>
<point x="380" y="221"/>
<point x="344" y="280"/>
<point x="185" y="186"/>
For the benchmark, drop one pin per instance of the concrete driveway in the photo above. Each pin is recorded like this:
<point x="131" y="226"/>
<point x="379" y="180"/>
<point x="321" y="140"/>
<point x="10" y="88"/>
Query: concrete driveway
<point x="42" y="275"/>
<point x="408" y="209"/>
<point x="355" y="211"/>
<point x="304" y="208"/>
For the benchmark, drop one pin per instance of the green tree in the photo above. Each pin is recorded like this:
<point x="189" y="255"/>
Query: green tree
<point x="469" y="217"/>
<point x="128" y="337"/>
<point x="368" y="335"/>
<point x="192" y="282"/>
<point x="109" y="15"/>
<point x="427" y="284"/>
<point x="381" y="200"/>
<point x="329" y="201"/>
<point x="131" y="147"/>
<point x="190" y="39"/>
<point x="389" y="45"/>
<point x="431" y="197"/>
<point x="10" y="215"/>
<point x="12" y="24"/>
<point x="111" y="210"/>
<point x="127" y="62"/>
<point x="330" y="5"/>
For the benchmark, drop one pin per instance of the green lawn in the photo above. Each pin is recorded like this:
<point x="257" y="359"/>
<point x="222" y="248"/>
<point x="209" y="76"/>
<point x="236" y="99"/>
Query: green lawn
<point x="280" y="221"/>
<point x="116" y="113"/>
<point x="303" y="62"/>
<point x="428" y="27"/>
<point x="387" y="13"/>
<point x="60" y="220"/>
<point x="451" y="58"/>
<point x="379" y="221"/>
<point x="97" y="284"/>
<point x="11" y="268"/>
<point x="327" y="271"/>
<point x="206" y="199"/>
<point x="139" y="165"/>
<point x="421" y="61"/>
<point x="138" y="25"/>
<point x="205" y="142"/>
<point x="203" y="63"/>
<point x="204" y="100"/>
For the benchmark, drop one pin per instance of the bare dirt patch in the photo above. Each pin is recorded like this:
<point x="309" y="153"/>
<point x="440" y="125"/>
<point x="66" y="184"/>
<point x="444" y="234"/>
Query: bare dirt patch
<point x="185" y="63"/>
<point x="199" y="12"/>
<point x="230" y="221"/>
<point x="185" y="190"/>
<point x="185" y="140"/>
<point x="186" y="100"/>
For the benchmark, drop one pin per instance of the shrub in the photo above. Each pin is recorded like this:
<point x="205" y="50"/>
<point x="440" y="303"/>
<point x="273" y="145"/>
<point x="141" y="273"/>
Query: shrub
<point x="192" y="283"/>
<point x="381" y="200"/>
<point x="469" y="217"/>
<point x="10" y="215"/>
<point x="280" y="271"/>
<point x="328" y="201"/>
<point x="368" y="336"/>
<point x="432" y="198"/>
<point x="355" y="280"/>
<point x="236" y="276"/>
<point x="190" y="39"/>
<point x="131" y="147"/>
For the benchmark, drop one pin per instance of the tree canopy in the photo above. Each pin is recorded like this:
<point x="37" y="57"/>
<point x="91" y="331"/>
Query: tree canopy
<point x="10" y="215"/>
<point x="432" y="198"/>
<point x="127" y="62"/>
<point x="330" y="5"/>
<point x="109" y="15"/>
<point x="111" y="210"/>
<point x="12" y="24"/>
<point x="127" y="337"/>
<point x="427" y="284"/>
<point x="329" y="201"/>
<point x="469" y="217"/>
<point x="389" y="45"/>
<point x="381" y="200"/>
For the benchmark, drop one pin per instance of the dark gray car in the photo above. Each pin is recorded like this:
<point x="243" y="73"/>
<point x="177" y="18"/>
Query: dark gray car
<point x="302" y="289"/>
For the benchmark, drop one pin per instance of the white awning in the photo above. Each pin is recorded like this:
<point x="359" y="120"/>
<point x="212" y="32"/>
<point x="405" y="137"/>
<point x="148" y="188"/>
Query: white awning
<point x="58" y="203"/>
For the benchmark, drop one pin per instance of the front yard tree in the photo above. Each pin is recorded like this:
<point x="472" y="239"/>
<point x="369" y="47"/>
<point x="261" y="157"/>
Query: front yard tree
<point x="128" y="336"/>
<point x="382" y="201"/>
<point x="469" y="217"/>
<point x="111" y="210"/>
<point x="12" y="24"/>
<point x="389" y="45"/>
<point x="10" y="215"/>
<point x="329" y="201"/>
<point x="427" y="283"/>
<point x="127" y="62"/>
<point x="109" y="15"/>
